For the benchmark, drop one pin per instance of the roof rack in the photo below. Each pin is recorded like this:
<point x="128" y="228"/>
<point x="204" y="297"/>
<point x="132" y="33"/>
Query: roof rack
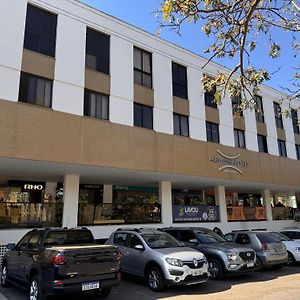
<point x="240" y="230"/>
<point x="129" y="229"/>
<point x="259" y="229"/>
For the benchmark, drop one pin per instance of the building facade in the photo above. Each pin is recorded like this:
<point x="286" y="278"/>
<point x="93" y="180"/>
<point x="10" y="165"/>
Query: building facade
<point x="105" y="125"/>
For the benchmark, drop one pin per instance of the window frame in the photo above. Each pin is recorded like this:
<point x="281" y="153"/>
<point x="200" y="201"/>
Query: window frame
<point x="294" y="116"/>
<point x="238" y="134"/>
<point x="181" y="118"/>
<point x="209" y="133"/>
<point x="264" y="143"/>
<point x="259" y="109"/>
<point x="142" y="71"/>
<point x="297" y="151"/>
<point x="142" y="107"/>
<point x="281" y="148"/>
<point x="209" y="97"/>
<point x="235" y="103"/>
<point x="176" y="85"/>
<point x="86" y="107"/>
<point x="278" y="116"/>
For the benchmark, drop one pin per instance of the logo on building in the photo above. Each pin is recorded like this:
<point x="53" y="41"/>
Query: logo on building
<point x="37" y="187"/>
<point x="229" y="163"/>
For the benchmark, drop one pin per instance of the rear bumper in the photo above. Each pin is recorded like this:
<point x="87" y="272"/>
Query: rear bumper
<point x="274" y="260"/>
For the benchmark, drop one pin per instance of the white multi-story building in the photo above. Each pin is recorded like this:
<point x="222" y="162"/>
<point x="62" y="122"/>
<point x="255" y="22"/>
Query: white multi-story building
<point x="105" y="125"/>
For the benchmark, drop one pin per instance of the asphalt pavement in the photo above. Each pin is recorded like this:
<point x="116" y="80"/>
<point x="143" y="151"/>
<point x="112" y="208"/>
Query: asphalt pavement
<point x="281" y="284"/>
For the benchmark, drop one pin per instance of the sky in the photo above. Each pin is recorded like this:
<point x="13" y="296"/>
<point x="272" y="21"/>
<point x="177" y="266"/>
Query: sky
<point x="142" y="14"/>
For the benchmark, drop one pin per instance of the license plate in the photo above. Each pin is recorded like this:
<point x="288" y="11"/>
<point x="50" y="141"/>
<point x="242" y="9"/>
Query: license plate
<point x="250" y="264"/>
<point x="90" y="286"/>
<point x="196" y="273"/>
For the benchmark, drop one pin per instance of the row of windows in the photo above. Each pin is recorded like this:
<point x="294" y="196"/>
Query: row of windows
<point x="40" y="36"/>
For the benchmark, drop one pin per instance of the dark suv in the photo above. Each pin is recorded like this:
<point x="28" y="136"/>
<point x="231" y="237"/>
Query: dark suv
<point x="223" y="257"/>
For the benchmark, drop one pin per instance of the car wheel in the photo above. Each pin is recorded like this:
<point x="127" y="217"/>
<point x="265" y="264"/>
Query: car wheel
<point x="35" y="289"/>
<point x="215" y="269"/>
<point x="3" y="277"/>
<point x="259" y="264"/>
<point x="102" y="293"/>
<point x="291" y="259"/>
<point x="155" y="279"/>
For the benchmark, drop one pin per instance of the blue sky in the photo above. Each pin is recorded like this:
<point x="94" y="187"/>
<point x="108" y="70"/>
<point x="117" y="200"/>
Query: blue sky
<point x="141" y="13"/>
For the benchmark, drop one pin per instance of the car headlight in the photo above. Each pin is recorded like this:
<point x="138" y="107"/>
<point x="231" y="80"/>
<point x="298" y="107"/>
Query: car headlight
<point x="174" y="261"/>
<point x="232" y="256"/>
<point x="297" y="248"/>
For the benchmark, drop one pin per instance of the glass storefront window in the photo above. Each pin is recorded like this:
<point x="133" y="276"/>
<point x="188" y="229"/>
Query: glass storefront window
<point x="27" y="204"/>
<point x="245" y="207"/>
<point x="283" y="207"/>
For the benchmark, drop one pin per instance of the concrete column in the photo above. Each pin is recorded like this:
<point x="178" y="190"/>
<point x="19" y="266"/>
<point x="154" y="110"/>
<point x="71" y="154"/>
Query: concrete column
<point x="267" y="201"/>
<point x="71" y="195"/>
<point x="221" y="201"/>
<point x="165" y="199"/>
<point x="298" y="200"/>
<point x="107" y="194"/>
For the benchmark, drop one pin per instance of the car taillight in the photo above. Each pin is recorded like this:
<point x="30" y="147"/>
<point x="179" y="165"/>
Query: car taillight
<point x="264" y="247"/>
<point x="118" y="254"/>
<point x="58" y="259"/>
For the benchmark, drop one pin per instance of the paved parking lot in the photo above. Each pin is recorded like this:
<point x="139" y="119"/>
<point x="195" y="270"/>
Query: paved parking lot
<point x="282" y="284"/>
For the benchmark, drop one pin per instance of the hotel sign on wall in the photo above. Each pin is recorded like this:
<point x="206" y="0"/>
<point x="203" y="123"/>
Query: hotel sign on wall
<point x="229" y="163"/>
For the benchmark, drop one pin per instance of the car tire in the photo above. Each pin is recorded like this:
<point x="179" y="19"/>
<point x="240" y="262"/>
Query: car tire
<point x="215" y="269"/>
<point x="102" y="293"/>
<point x="3" y="277"/>
<point x="35" y="289"/>
<point x="155" y="279"/>
<point x="260" y="266"/>
<point x="291" y="259"/>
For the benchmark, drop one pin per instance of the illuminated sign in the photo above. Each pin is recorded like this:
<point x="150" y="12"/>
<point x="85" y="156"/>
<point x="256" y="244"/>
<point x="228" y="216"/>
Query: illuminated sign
<point x="37" y="187"/>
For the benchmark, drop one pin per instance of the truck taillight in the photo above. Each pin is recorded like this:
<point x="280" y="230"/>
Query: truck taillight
<point x="264" y="247"/>
<point x="58" y="259"/>
<point x="118" y="254"/>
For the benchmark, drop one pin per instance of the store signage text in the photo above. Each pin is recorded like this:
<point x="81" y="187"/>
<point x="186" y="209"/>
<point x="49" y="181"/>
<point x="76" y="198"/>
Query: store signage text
<point x="230" y="163"/>
<point x="38" y="187"/>
<point x="195" y="213"/>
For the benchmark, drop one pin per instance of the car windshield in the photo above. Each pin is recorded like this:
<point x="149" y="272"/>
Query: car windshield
<point x="209" y="237"/>
<point x="160" y="240"/>
<point x="281" y="236"/>
<point x="68" y="237"/>
<point x="268" y="237"/>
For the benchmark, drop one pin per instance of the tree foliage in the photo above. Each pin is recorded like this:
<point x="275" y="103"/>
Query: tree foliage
<point x="235" y="26"/>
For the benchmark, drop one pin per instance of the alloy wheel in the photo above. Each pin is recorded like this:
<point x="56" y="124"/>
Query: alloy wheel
<point x="34" y="290"/>
<point x="4" y="276"/>
<point x="153" y="279"/>
<point x="214" y="269"/>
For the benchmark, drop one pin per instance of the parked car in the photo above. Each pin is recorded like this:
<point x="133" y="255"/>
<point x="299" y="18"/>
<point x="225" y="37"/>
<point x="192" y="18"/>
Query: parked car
<point x="292" y="247"/>
<point x="159" y="258"/>
<point x="292" y="233"/>
<point x="270" y="251"/>
<point x="53" y="261"/>
<point x="223" y="257"/>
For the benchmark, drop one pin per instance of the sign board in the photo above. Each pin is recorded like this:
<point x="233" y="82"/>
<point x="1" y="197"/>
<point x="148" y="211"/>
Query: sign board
<point x="195" y="213"/>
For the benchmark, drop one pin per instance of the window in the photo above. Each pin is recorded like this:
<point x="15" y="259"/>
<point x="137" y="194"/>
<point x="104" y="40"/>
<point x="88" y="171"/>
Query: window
<point x="133" y="241"/>
<point x="298" y="151"/>
<point x="120" y="239"/>
<point x="35" y="90"/>
<point x="209" y="98"/>
<point x="179" y="81"/>
<point x="142" y="67"/>
<point x="281" y="148"/>
<point x="24" y="241"/>
<point x="97" y="51"/>
<point x="278" y="116"/>
<point x="143" y="116"/>
<point x="181" y="125"/>
<point x="259" y="109"/>
<point x="262" y="143"/>
<point x="239" y="138"/>
<point x="96" y="105"/>
<point x="40" y="31"/>
<point x="236" y="106"/>
<point x="212" y="132"/>
<point x="242" y="239"/>
<point x="187" y="235"/>
<point x="295" y="121"/>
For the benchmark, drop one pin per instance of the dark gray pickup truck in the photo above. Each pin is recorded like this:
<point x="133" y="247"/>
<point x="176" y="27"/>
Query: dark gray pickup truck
<point x="53" y="261"/>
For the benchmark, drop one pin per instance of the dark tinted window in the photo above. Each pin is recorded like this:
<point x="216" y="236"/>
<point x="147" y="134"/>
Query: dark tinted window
<point x="142" y="67"/>
<point x="281" y="148"/>
<point x="35" y="90"/>
<point x="298" y="151"/>
<point x="212" y="132"/>
<point x="133" y="240"/>
<point x="25" y="239"/>
<point x="267" y="238"/>
<point x="174" y="233"/>
<point x="239" y="138"/>
<point x="143" y="116"/>
<point x="259" y="109"/>
<point x="160" y="240"/>
<point x="40" y="31"/>
<point x="186" y="235"/>
<point x="96" y="105"/>
<point x="209" y="97"/>
<point x="209" y="237"/>
<point x="69" y="237"/>
<point x="242" y="238"/>
<point x="292" y="234"/>
<point x="97" y="51"/>
<point x="229" y="237"/>
<point x="262" y="143"/>
<point x="120" y="239"/>
<point x="278" y="115"/>
<point x="294" y="116"/>
<point x="236" y="106"/>
<point x="181" y="125"/>
<point x="280" y="236"/>
<point x="34" y="241"/>
<point x="179" y="81"/>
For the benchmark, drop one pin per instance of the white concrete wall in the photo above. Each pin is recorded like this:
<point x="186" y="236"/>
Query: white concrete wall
<point x="250" y="130"/>
<point x="12" y="27"/>
<point x="226" y="123"/>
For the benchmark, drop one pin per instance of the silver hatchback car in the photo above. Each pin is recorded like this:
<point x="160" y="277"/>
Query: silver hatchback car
<point x="159" y="257"/>
<point x="270" y="250"/>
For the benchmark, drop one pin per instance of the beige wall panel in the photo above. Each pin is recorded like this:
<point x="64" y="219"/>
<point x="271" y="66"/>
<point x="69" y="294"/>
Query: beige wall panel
<point x="97" y="81"/>
<point x="261" y="128"/>
<point x="212" y="115"/>
<point x="281" y="134"/>
<point x="143" y="95"/>
<point x="38" y="64"/>
<point x="297" y="139"/>
<point x="239" y="123"/>
<point x="181" y="106"/>
<point x="31" y="132"/>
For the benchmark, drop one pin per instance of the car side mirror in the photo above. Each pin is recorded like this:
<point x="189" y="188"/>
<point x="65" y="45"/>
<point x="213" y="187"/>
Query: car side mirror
<point x="139" y="247"/>
<point x="193" y="241"/>
<point x="11" y="246"/>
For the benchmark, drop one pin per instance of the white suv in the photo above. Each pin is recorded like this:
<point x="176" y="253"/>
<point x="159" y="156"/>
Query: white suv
<point x="159" y="257"/>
